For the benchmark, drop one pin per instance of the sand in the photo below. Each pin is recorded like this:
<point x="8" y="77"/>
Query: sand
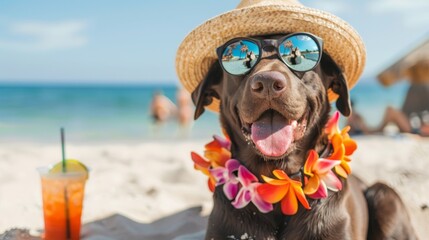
<point x="132" y="185"/>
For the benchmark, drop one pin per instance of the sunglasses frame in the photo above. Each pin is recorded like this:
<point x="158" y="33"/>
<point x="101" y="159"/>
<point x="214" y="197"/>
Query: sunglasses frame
<point x="261" y="43"/>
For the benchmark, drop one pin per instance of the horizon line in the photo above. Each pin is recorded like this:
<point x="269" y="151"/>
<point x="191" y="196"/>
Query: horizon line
<point x="86" y="82"/>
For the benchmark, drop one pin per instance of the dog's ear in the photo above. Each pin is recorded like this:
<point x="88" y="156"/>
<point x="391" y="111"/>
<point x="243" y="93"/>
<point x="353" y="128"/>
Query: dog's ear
<point x="343" y="102"/>
<point x="337" y="83"/>
<point x="207" y="89"/>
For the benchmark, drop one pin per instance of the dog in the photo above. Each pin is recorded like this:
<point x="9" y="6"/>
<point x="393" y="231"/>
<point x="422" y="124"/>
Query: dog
<point x="273" y="92"/>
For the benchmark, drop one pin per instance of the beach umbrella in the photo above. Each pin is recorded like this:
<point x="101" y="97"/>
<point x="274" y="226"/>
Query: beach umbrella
<point x="414" y="67"/>
<point x="244" y="48"/>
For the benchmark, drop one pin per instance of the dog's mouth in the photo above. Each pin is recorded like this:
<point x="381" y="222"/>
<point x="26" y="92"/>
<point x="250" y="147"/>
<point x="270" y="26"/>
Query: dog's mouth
<point x="273" y="135"/>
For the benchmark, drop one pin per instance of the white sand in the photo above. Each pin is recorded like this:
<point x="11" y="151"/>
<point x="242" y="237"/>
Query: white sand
<point x="148" y="181"/>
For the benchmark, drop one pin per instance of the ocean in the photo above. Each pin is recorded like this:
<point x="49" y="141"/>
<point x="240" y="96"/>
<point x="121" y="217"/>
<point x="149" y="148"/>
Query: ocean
<point x="112" y="113"/>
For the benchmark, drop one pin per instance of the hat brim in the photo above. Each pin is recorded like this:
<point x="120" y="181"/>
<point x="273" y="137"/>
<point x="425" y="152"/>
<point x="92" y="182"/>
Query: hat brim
<point x="197" y="52"/>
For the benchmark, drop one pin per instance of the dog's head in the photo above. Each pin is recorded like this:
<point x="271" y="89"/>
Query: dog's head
<point x="272" y="112"/>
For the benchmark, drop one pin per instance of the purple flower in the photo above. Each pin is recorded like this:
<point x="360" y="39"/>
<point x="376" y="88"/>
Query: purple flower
<point x="248" y="193"/>
<point x="225" y="175"/>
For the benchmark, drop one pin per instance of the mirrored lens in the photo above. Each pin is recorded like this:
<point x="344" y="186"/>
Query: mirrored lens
<point x="300" y="52"/>
<point x="240" y="57"/>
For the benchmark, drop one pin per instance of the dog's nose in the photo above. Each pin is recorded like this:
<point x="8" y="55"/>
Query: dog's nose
<point x="268" y="84"/>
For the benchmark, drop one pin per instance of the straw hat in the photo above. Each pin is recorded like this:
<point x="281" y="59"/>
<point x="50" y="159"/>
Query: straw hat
<point x="197" y="52"/>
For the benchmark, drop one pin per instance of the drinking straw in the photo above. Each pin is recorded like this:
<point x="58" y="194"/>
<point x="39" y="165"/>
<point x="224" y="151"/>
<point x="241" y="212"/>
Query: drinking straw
<point x="66" y="199"/>
<point x="63" y="150"/>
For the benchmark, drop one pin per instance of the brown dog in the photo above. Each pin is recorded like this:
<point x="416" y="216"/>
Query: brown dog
<point x="273" y="92"/>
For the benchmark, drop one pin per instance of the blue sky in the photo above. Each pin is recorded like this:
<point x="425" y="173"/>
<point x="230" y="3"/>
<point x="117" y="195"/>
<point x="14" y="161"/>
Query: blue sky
<point x="136" y="41"/>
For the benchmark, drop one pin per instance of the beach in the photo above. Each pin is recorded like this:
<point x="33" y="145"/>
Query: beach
<point x="124" y="81"/>
<point x="142" y="184"/>
<point x="135" y="184"/>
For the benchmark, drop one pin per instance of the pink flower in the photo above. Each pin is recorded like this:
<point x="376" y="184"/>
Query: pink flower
<point x="248" y="193"/>
<point x="226" y="176"/>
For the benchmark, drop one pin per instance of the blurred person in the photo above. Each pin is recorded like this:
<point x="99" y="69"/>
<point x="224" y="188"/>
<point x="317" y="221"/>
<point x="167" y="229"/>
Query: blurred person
<point x="162" y="108"/>
<point x="184" y="107"/>
<point x="413" y="124"/>
<point x="416" y="123"/>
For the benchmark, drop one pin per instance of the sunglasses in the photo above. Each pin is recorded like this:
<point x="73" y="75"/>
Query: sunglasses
<point x="300" y="52"/>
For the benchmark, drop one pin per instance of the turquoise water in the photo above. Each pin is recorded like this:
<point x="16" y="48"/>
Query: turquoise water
<point x="312" y="56"/>
<point x="89" y="113"/>
<point x="121" y="113"/>
<point x="371" y="99"/>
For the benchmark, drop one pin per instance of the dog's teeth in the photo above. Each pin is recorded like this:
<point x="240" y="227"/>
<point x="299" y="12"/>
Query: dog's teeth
<point x="294" y="124"/>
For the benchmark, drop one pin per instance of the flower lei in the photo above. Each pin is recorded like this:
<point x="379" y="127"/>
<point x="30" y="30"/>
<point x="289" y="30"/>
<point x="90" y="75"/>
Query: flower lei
<point x="242" y="187"/>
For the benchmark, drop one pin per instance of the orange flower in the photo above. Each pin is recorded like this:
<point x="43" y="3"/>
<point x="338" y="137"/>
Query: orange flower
<point x="283" y="189"/>
<point x="217" y="151"/>
<point x="203" y="165"/>
<point x="321" y="177"/>
<point x="349" y="144"/>
<point x="343" y="145"/>
<point x="331" y="127"/>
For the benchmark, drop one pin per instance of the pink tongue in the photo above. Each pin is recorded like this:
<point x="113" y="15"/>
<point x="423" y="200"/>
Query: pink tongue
<point x="272" y="134"/>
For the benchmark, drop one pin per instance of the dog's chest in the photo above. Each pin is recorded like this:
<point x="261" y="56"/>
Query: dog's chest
<point x="322" y="222"/>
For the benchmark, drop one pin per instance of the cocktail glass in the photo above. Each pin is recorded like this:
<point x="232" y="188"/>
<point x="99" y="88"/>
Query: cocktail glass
<point x="62" y="203"/>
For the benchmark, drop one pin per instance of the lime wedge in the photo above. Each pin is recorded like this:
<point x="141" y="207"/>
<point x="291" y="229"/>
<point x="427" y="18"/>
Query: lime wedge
<point x="72" y="166"/>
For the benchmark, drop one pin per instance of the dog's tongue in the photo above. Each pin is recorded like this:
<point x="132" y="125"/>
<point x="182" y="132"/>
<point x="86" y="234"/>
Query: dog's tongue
<point x="272" y="134"/>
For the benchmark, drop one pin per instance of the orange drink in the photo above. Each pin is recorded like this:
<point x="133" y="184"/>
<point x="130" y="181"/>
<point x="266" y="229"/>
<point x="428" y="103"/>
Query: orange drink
<point x="62" y="195"/>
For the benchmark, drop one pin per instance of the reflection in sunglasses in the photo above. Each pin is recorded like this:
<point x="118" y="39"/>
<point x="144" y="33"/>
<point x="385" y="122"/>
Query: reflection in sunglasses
<point x="239" y="57"/>
<point x="299" y="52"/>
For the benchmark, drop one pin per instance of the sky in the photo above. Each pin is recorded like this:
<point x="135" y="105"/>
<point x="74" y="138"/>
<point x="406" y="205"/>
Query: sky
<point x="135" y="41"/>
